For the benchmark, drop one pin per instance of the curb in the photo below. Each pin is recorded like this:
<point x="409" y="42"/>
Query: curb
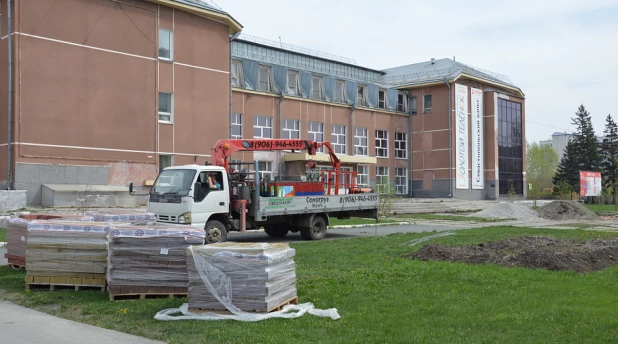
<point x="370" y="225"/>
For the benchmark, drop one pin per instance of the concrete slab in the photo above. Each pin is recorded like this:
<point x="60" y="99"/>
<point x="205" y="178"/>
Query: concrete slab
<point x="3" y="261"/>
<point x="23" y="325"/>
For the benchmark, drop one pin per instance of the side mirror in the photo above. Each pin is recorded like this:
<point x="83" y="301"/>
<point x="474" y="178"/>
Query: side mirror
<point x="131" y="187"/>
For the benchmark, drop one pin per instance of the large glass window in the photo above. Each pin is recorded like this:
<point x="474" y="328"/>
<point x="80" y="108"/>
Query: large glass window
<point x="262" y="127"/>
<point x="264" y="76"/>
<point x="382" y="180"/>
<point x="381" y="143"/>
<point x="339" y="91"/>
<point x="362" y="177"/>
<point x="316" y="133"/>
<point x="361" y="141"/>
<point x="291" y="129"/>
<point x="401" y="145"/>
<point x="510" y="147"/>
<point x="166" y="108"/>
<point x="166" y="44"/>
<point x="401" y="181"/>
<point x="236" y="126"/>
<point x="338" y="138"/>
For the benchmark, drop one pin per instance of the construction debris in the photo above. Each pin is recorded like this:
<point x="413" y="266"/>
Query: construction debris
<point x="508" y="211"/>
<point x="567" y="210"/>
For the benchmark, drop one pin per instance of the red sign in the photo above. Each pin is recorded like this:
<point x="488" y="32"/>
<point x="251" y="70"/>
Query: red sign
<point x="589" y="183"/>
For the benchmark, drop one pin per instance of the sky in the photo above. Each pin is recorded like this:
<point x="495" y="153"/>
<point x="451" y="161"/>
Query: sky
<point x="561" y="53"/>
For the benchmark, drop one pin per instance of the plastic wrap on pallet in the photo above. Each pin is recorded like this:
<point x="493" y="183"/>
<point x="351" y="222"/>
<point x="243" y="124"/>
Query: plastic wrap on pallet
<point x="17" y="232"/>
<point x="58" y="248"/>
<point x="151" y="255"/>
<point x="122" y="216"/>
<point x="242" y="278"/>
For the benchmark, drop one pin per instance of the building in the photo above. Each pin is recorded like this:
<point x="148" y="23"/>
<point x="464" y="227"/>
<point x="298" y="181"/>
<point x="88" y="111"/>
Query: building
<point x="129" y="87"/>
<point x="124" y="88"/>
<point x="282" y="91"/>
<point x="559" y="142"/>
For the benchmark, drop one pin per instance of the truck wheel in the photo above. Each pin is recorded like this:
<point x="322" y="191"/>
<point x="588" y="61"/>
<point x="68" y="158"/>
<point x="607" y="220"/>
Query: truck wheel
<point x="215" y="232"/>
<point x="317" y="231"/>
<point x="276" y="231"/>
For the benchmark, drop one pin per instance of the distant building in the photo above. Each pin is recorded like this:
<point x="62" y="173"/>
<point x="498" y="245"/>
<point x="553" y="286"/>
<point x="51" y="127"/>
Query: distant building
<point x="558" y="142"/>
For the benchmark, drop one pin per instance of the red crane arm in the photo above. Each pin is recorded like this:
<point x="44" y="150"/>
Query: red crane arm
<point x="223" y="149"/>
<point x="334" y="160"/>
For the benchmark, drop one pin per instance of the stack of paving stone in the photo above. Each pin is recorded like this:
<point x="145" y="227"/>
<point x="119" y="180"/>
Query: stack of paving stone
<point x="66" y="253"/>
<point x="126" y="216"/>
<point x="256" y="277"/>
<point x="149" y="259"/>
<point x="17" y="234"/>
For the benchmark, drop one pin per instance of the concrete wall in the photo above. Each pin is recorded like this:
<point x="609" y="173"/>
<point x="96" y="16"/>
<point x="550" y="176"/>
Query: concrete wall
<point x="12" y="200"/>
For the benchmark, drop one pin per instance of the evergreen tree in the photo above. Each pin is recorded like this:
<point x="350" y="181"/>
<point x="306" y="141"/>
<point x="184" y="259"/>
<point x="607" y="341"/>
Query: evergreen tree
<point x="568" y="169"/>
<point x="609" y="152"/>
<point x="586" y="148"/>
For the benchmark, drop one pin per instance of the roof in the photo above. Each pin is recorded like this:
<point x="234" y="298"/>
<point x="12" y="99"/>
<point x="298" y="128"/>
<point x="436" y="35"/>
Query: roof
<point x="440" y="70"/>
<point x="558" y="133"/>
<point x="203" y="8"/>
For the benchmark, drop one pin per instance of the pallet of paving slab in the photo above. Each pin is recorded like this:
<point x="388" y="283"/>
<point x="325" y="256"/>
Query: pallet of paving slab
<point x="132" y="292"/>
<point x="53" y="287"/>
<point x="292" y="301"/>
<point x="65" y="280"/>
<point x="145" y="296"/>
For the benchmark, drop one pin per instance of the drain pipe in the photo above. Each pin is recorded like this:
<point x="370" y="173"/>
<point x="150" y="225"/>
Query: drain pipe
<point x="450" y="141"/>
<point x="281" y="96"/>
<point x="232" y="37"/>
<point x="410" y="154"/>
<point x="10" y="92"/>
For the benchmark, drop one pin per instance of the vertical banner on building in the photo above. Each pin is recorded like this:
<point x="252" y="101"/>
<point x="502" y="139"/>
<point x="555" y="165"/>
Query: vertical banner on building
<point x="478" y="173"/>
<point x="461" y="137"/>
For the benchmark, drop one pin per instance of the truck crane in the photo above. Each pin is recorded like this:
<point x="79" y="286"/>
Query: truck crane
<point x="220" y="200"/>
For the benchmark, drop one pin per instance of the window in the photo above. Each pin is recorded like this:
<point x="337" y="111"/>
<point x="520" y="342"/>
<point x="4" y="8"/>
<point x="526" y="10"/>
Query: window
<point x="361" y="98"/>
<point x="413" y="105"/>
<point x="381" y="143"/>
<point x="401" y="181"/>
<point x="427" y="103"/>
<point x="166" y="43"/>
<point x="338" y="138"/>
<point x="264" y="76"/>
<point x="382" y="99"/>
<point x="316" y="133"/>
<point x="382" y="182"/>
<point x="236" y="126"/>
<point x="262" y="127"/>
<point x="362" y="176"/>
<point x="166" y="106"/>
<point x="266" y="169"/>
<point x="205" y="189"/>
<point x="164" y="162"/>
<point x="293" y="83"/>
<point x="361" y="141"/>
<point x="291" y="129"/>
<point x="236" y="74"/>
<point x="510" y="147"/>
<point x="401" y="146"/>
<point x="402" y="103"/>
<point x="339" y="91"/>
<point x="316" y="87"/>
<point x="235" y="164"/>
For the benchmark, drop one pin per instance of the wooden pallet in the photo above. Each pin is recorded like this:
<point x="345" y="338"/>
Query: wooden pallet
<point x="144" y="296"/>
<point x="292" y="301"/>
<point x="76" y="287"/>
<point x="64" y="280"/>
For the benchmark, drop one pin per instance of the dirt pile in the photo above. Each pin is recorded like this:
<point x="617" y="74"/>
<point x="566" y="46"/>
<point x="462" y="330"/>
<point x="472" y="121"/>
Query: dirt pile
<point x="531" y="252"/>
<point x="566" y="210"/>
<point x="508" y="211"/>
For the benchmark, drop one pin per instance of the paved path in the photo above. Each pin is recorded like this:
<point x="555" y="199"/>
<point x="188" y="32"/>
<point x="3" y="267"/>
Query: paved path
<point x="23" y="325"/>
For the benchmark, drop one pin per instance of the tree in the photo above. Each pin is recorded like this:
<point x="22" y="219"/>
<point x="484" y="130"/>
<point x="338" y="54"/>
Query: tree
<point x="541" y="165"/>
<point x="581" y="154"/>
<point x="609" y="151"/>
<point x="567" y="173"/>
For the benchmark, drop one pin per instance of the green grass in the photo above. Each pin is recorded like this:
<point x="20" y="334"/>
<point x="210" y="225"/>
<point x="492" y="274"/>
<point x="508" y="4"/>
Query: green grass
<point x="603" y="208"/>
<point x="447" y="217"/>
<point x="2" y="234"/>
<point x="383" y="298"/>
<point x="357" y="221"/>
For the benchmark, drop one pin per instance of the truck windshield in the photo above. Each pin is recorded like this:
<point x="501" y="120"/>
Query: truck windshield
<point x="176" y="182"/>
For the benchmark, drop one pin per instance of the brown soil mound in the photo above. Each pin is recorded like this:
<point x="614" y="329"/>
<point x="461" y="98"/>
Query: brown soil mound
<point x="531" y="252"/>
<point x="566" y="210"/>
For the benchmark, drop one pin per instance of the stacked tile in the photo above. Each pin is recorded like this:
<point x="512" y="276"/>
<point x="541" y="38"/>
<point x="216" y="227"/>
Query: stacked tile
<point x="66" y="253"/>
<point x="250" y="276"/>
<point x="17" y="233"/>
<point x="149" y="258"/>
<point x="122" y="216"/>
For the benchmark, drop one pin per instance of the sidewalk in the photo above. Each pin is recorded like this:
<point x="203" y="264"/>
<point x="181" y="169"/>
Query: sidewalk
<point x="23" y="325"/>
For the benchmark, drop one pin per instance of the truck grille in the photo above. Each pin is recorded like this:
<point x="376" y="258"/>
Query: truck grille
<point x="166" y="218"/>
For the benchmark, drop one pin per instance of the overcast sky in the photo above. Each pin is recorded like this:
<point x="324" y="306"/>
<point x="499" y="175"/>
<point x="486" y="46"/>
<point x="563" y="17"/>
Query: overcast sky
<point x="561" y="53"/>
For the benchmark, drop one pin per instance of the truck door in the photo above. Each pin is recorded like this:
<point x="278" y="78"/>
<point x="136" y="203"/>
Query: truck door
<point x="211" y="198"/>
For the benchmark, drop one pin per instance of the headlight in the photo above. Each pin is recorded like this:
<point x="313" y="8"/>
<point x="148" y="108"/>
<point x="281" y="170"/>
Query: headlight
<point x="185" y="217"/>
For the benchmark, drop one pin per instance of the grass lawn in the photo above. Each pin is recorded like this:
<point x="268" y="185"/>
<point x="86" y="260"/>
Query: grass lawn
<point x="2" y="234"/>
<point x="604" y="208"/>
<point x="447" y="217"/>
<point x="357" y="221"/>
<point x="383" y="298"/>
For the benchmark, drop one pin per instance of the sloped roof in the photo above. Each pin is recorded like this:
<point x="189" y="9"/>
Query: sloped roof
<point x="203" y="8"/>
<point x="439" y="70"/>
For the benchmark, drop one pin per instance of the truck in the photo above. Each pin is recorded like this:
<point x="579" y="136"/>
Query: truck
<point x="222" y="196"/>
